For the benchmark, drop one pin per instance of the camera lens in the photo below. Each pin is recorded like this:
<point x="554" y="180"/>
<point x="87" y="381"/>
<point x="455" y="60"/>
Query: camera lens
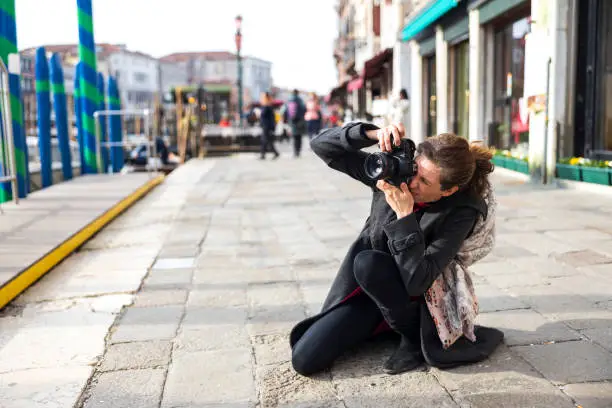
<point x="378" y="166"/>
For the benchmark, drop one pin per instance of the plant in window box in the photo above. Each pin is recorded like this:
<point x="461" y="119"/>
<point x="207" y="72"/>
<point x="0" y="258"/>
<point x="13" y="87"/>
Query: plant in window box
<point x="568" y="168"/>
<point x="498" y="158"/>
<point x="522" y="164"/>
<point x="596" y="171"/>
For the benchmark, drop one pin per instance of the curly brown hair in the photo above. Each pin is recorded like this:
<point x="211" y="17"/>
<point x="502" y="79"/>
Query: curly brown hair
<point x="462" y="164"/>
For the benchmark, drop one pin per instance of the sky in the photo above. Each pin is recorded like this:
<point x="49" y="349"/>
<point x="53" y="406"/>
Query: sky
<point x="295" y="35"/>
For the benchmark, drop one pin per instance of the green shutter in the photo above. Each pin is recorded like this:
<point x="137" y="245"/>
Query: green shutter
<point x="494" y="8"/>
<point x="459" y="29"/>
<point x="428" y="46"/>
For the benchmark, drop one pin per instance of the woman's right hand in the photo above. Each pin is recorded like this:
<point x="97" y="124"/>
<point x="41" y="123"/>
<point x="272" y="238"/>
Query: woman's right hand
<point x="388" y="136"/>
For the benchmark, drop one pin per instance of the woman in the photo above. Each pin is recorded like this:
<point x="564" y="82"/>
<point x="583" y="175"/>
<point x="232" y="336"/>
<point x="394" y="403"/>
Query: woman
<point x="313" y="115"/>
<point x="393" y="272"/>
<point x="268" y="124"/>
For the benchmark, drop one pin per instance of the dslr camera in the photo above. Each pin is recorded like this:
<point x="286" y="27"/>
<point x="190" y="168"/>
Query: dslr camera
<point x="395" y="167"/>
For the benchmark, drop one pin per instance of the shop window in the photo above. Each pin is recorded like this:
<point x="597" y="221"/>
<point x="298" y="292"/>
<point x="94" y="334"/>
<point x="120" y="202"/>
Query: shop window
<point x="605" y="116"/>
<point x="510" y="128"/>
<point x="461" y="92"/>
<point x="430" y="102"/>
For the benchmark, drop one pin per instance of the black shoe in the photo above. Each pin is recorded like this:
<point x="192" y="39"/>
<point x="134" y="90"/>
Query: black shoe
<point x="262" y="158"/>
<point x="407" y="357"/>
<point x="276" y="156"/>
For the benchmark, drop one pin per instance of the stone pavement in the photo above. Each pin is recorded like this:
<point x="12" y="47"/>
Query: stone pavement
<point x="32" y="229"/>
<point x="187" y="299"/>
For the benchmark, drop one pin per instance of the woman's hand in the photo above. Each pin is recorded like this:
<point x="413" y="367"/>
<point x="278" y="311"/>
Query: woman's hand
<point x="388" y="136"/>
<point x="399" y="199"/>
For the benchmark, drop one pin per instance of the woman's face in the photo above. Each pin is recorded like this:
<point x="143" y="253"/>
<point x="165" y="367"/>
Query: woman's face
<point x="263" y="99"/>
<point x="425" y="185"/>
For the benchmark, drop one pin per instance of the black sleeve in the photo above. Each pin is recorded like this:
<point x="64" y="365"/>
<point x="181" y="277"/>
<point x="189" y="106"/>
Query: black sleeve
<point x="339" y="147"/>
<point x="419" y="264"/>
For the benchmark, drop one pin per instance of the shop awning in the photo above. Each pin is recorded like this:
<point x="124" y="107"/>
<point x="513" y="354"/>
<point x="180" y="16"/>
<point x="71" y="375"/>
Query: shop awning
<point x="373" y="66"/>
<point x="355" y="84"/>
<point x="430" y="13"/>
<point x="336" y="91"/>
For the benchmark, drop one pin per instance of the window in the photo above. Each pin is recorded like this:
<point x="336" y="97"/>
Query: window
<point x="140" y="77"/>
<point x="605" y="115"/>
<point x="430" y="102"/>
<point x="461" y="116"/>
<point x="512" y="127"/>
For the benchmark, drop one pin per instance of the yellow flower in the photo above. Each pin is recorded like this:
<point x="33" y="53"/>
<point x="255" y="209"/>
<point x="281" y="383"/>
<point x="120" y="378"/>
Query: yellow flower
<point x="574" y="161"/>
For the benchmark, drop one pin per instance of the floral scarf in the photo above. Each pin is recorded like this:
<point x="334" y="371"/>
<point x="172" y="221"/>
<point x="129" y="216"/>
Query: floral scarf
<point x="451" y="300"/>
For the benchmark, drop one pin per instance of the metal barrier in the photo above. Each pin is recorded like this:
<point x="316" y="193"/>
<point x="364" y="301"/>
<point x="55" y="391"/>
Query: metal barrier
<point x="150" y="143"/>
<point x="7" y="146"/>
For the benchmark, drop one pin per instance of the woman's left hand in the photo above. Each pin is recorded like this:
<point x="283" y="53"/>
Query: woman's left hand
<point x="399" y="199"/>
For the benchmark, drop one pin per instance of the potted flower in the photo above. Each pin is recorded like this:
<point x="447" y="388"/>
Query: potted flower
<point x="568" y="168"/>
<point x="596" y="171"/>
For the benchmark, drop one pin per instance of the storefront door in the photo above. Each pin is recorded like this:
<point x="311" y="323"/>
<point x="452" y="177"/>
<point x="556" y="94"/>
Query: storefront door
<point x="604" y="117"/>
<point x="462" y="91"/>
<point x="509" y="45"/>
<point x="429" y="74"/>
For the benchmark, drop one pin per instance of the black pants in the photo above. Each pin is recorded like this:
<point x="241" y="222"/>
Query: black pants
<point x="297" y="144"/>
<point x="355" y="320"/>
<point x="267" y="143"/>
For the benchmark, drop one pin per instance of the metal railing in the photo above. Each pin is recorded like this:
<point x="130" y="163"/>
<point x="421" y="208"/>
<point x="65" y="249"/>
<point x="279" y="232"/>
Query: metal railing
<point x="151" y="150"/>
<point x="7" y="146"/>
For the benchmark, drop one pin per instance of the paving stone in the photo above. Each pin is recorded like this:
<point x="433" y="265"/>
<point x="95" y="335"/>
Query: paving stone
<point x="524" y="327"/>
<point x="230" y="297"/>
<point x="271" y="349"/>
<point x="521" y="279"/>
<point x="418" y="389"/>
<point x="42" y="338"/>
<point x="169" y="279"/>
<point x="511" y="251"/>
<point x="538" y="243"/>
<point x="228" y="378"/>
<point x="279" y="320"/>
<point x="582" y="258"/>
<point x="591" y="395"/>
<point x="554" y="302"/>
<point x="601" y="336"/>
<point x="163" y="297"/>
<point x="212" y="337"/>
<point x="491" y="299"/>
<point x="489" y="268"/>
<point x="280" y="386"/>
<point x="314" y="296"/>
<point x="174" y="263"/>
<point x="573" y="361"/>
<point x="276" y="294"/>
<point x="583" y="234"/>
<point x="137" y="355"/>
<point x="129" y="388"/>
<point x="150" y="323"/>
<point x="57" y="387"/>
<point x="503" y="380"/>
<point x="546" y="267"/>
<point x="208" y="315"/>
<point x="183" y="251"/>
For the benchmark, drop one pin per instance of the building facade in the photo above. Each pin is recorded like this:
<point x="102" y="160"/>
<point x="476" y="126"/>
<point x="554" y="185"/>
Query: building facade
<point x="218" y="72"/>
<point x="494" y="70"/>
<point x="530" y="76"/>
<point x="372" y="64"/>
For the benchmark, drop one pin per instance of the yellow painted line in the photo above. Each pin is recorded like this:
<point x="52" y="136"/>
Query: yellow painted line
<point x="27" y="277"/>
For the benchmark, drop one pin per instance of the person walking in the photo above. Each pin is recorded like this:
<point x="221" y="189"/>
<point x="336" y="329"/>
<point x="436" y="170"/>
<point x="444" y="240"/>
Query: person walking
<point x="313" y="116"/>
<point x="268" y="124"/>
<point x="295" y="116"/>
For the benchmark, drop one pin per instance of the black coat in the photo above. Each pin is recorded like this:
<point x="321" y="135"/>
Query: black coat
<point x="422" y="245"/>
<point x="266" y="119"/>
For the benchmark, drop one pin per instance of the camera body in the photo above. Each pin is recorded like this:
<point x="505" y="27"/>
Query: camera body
<point x="395" y="167"/>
